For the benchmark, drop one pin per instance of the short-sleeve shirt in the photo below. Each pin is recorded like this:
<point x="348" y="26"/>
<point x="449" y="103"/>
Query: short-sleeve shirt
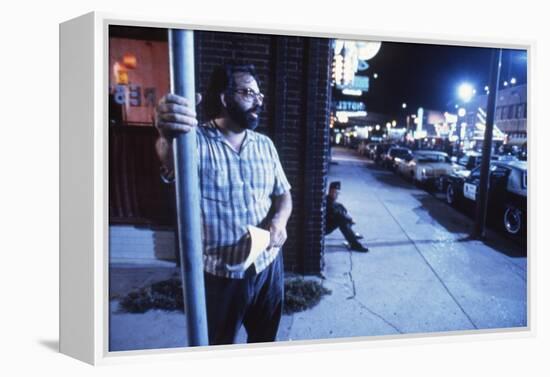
<point x="236" y="191"/>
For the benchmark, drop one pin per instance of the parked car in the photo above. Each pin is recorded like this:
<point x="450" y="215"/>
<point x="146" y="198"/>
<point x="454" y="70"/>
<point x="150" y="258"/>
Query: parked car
<point x="389" y="157"/>
<point x="507" y="200"/>
<point x="470" y="160"/>
<point x="370" y="150"/>
<point x="400" y="161"/>
<point x="380" y="150"/>
<point x="504" y="157"/>
<point x="362" y="147"/>
<point x="425" y="166"/>
<point x="461" y="168"/>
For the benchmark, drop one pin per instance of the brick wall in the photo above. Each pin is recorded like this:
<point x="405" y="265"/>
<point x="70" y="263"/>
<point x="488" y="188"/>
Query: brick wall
<point x="294" y="75"/>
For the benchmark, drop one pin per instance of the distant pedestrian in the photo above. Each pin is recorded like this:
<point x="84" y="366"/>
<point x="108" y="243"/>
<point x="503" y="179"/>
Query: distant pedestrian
<point x="338" y="217"/>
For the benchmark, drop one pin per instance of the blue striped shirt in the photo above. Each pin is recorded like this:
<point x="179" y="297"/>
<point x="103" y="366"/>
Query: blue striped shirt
<point x="236" y="191"/>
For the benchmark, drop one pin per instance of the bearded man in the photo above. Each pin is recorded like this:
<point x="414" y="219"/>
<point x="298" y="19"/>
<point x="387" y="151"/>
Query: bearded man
<point x="242" y="183"/>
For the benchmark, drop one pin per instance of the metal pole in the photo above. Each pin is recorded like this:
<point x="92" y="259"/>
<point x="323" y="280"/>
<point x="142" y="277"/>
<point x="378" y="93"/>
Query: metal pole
<point x="481" y="204"/>
<point x="182" y="81"/>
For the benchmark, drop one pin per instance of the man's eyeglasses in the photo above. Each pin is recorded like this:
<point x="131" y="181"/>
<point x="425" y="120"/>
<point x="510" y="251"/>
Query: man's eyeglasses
<point x="250" y="95"/>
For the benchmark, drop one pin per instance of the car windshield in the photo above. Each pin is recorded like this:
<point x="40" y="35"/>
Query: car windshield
<point x="469" y="160"/>
<point x="432" y="158"/>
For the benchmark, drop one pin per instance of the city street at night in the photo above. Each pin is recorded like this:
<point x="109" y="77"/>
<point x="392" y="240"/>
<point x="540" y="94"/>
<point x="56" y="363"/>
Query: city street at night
<point x="418" y="135"/>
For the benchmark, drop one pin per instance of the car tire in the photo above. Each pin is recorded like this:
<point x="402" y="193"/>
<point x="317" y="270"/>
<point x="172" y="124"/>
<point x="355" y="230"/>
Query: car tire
<point x="512" y="220"/>
<point x="450" y="195"/>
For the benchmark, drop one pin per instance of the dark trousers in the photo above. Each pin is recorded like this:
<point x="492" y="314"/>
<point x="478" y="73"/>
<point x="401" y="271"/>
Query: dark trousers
<point x="255" y="302"/>
<point x="344" y="224"/>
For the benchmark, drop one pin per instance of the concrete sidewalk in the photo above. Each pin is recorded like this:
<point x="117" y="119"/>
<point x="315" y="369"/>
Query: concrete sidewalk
<point x="422" y="273"/>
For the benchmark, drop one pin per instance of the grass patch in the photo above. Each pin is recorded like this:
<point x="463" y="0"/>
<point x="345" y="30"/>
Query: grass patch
<point x="164" y="295"/>
<point x="300" y="295"/>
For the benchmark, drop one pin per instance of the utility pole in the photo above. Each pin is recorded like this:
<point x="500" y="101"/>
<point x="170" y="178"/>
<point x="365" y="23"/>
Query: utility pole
<point x="182" y="82"/>
<point x="481" y="202"/>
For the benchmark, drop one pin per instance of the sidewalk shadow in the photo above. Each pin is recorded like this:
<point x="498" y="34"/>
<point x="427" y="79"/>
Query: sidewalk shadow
<point x="340" y="246"/>
<point x="335" y="246"/>
<point x="433" y="210"/>
<point x="382" y="244"/>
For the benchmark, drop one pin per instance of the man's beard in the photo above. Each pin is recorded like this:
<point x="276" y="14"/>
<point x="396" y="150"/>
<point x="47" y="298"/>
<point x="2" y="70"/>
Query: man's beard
<point x="244" y="118"/>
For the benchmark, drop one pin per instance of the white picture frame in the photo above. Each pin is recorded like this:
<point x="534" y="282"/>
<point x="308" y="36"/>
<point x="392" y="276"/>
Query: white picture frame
<point x="84" y="244"/>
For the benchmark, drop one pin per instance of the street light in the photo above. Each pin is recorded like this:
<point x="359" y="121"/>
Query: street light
<point x="466" y="92"/>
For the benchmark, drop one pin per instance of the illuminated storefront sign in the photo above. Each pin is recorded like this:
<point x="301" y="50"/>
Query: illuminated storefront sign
<point x="358" y="83"/>
<point x="350" y="106"/>
<point x="134" y="95"/>
<point x="139" y="77"/>
<point x="349" y="58"/>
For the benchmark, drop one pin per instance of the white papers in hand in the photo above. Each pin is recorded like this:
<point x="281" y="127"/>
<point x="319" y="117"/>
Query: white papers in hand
<point x="259" y="240"/>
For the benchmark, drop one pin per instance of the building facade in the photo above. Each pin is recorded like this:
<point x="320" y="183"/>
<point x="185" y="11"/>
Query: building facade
<point x="294" y="74"/>
<point x="510" y="115"/>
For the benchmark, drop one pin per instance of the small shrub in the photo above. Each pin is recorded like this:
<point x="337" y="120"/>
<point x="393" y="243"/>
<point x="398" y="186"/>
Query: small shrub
<point x="165" y="295"/>
<point x="300" y="295"/>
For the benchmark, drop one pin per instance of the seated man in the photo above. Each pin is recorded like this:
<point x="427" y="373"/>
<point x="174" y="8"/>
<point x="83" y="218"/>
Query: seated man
<point x="338" y="217"/>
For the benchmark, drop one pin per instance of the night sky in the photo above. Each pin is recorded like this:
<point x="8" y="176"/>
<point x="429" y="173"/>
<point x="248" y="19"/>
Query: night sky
<point x="428" y="75"/>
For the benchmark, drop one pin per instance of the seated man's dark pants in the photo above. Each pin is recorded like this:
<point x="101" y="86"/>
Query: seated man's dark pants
<point x="255" y="302"/>
<point x="345" y="227"/>
<point x="337" y="217"/>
